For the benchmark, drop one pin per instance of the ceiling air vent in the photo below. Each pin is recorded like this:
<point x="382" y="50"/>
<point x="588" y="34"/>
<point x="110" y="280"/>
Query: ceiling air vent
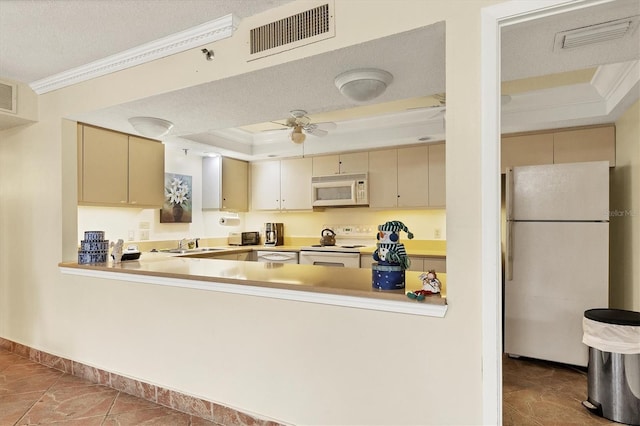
<point x="606" y="31"/>
<point x="294" y="31"/>
<point x="7" y="97"/>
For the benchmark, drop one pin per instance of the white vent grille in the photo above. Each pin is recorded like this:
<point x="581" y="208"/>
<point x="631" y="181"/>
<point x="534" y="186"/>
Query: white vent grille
<point x="606" y="31"/>
<point x="296" y="30"/>
<point x="7" y="97"/>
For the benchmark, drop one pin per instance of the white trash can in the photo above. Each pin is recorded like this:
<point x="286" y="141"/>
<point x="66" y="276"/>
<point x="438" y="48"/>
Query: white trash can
<point x="613" y="337"/>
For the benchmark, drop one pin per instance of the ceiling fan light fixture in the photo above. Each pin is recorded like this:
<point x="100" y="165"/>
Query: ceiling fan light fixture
<point x="151" y="127"/>
<point x="297" y="136"/>
<point x="364" y="84"/>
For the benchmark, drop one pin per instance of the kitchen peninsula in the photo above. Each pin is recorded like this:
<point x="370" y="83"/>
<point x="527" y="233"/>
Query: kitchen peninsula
<point x="349" y="287"/>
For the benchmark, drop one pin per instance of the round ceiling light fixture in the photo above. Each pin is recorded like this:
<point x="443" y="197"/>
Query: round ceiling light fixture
<point x="150" y="126"/>
<point x="297" y="136"/>
<point x="364" y="84"/>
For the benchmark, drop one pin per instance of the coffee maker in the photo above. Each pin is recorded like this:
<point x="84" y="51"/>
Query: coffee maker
<point x="273" y="234"/>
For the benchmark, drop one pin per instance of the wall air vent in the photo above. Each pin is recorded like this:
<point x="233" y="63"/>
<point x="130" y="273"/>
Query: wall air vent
<point x="7" y="97"/>
<point x="605" y="31"/>
<point x="297" y="30"/>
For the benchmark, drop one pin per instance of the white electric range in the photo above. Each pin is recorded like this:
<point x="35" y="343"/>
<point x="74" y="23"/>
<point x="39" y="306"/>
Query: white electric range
<point x="346" y="252"/>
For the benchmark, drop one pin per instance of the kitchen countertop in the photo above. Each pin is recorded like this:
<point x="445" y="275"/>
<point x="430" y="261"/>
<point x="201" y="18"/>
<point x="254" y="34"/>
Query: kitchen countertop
<point x="204" y="267"/>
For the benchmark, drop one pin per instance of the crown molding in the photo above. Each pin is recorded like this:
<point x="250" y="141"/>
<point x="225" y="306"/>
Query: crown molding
<point x="614" y="81"/>
<point x="199" y="35"/>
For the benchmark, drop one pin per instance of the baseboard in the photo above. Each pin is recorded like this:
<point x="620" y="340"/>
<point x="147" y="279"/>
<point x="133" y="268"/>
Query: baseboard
<point x="184" y="403"/>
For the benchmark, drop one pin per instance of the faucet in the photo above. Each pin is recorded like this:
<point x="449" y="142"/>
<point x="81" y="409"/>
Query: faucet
<point x="187" y="243"/>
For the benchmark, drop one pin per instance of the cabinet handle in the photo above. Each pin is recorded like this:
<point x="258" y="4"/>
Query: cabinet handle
<point x="123" y="202"/>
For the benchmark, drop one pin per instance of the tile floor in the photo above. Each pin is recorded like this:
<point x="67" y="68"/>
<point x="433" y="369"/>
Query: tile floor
<point x="32" y="394"/>
<point x="538" y="393"/>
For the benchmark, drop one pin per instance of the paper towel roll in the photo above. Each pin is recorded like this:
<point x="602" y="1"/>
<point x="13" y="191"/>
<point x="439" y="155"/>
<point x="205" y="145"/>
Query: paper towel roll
<point x="229" y="221"/>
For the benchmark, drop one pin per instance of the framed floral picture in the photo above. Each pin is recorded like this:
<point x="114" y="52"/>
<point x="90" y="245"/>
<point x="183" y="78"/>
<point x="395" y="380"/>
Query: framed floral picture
<point x="177" y="199"/>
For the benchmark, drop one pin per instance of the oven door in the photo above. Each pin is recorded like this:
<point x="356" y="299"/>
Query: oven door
<point x="327" y="258"/>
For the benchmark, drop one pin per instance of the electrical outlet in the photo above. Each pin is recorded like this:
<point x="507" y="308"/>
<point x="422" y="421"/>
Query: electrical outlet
<point x="144" y="235"/>
<point x="143" y="225"/>
<point x="132" y="235"/>
<point x="437" y="234"/>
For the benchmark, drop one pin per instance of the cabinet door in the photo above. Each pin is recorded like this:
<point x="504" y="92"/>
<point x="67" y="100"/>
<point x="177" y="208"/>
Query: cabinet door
<point x="265" y="185"/>
<point x="366" y="260"/>
<point x="235" y="178"/>
<point x="326" y="165"/>
<point x="526" y="150"/>
<point x="105" y="166"/>
<point x="593" y="144"/>
<point x="417" y="264"/>
<point x="357" y="162"/>
<point x="146" y="172"/>
<point x="437" y="176"/>
<point x="383" y="178"/>
<point x="211" y="183"/>
<point x="80" y="162"/>
<point x="413" y="176"/>
<point x="436" y="263"/>
<point x="295" y="184"/>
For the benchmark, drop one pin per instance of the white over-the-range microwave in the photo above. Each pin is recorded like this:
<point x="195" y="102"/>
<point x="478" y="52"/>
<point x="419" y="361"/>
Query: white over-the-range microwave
<point x="340" y="190"/>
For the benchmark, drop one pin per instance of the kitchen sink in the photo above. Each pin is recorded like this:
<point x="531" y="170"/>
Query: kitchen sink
<point x="193" y="250"/>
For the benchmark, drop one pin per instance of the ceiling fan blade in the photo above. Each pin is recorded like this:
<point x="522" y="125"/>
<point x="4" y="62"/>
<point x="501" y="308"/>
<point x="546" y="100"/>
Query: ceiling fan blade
<point x="316" y="132"/>
<point x="326" y="125"/>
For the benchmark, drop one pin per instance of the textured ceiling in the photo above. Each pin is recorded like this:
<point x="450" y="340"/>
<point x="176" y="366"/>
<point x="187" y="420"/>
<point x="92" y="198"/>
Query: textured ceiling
<point x="41" y="38"/>
<point x="44" y="37"/>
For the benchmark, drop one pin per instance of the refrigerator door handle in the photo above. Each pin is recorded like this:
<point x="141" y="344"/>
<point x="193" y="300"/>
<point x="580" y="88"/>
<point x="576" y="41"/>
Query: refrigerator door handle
<point x="508" y="268"/>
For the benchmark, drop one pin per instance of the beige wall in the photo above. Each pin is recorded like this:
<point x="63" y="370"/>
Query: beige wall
<point x="296" y="362"/>
<point x="625" y="213"/>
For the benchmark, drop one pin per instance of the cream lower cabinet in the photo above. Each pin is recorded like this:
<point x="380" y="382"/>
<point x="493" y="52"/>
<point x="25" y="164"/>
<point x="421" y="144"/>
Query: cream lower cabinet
<point x="407" y="177"/>
<point x="119" y="169"/>
<point x="418" y="263"/>
<point x="225" y="184"/>
<point x="281" y="185"/>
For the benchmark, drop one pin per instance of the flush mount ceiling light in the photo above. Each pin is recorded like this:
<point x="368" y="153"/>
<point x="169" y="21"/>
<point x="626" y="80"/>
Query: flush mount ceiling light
<point x="362" y="85"/>
<point x="150" y="126"/>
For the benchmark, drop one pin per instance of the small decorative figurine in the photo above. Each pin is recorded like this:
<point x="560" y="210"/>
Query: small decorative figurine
<point x="430" y="285"/>
<point x="116" y="252"/>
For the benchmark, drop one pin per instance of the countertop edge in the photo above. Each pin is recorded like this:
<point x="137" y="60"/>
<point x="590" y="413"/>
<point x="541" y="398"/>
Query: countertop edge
<point x="382" y="301"/>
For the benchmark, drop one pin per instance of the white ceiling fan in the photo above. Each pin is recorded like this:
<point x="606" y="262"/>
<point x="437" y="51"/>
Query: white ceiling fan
<point x="302" y="125"/>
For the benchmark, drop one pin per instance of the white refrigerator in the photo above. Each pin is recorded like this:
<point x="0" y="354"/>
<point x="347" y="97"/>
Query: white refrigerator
<point x="556" y="258"/>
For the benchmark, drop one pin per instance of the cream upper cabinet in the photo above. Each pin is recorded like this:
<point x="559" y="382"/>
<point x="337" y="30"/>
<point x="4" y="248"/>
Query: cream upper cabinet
<point x="408" y="177"/>
<point x="146" y="172"/>
<point x="355" y="162"/>
<point x="589" y="144"/>
<point x="295" y="184"/>
<point x="413" y="176"/>
<point x="265" y="185"/>
<point x="560" y="146"/>
<point x="281" y="185"/>
<point x="526" y="150"/>
<point x="383" y="178"/>
<point x="225" y="184"/>
<point x="119" y="169"/>
<point x="104" y="167"/>
<point x="437" y="176"/>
